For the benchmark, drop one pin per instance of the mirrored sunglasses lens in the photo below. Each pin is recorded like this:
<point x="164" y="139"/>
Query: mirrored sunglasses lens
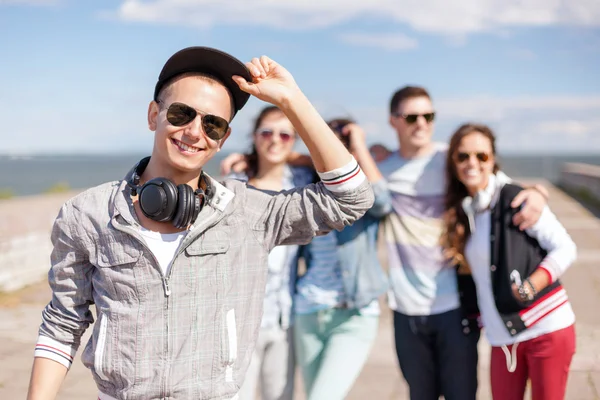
<point x="411" y="118"/>
<point x="483" y="157"/>
<point x="180" y="114"/>
<point x="462" y="157"/>
<point x="265" y="133"/>
<point x="215" y="127"/>
<point x="285" y="137"/>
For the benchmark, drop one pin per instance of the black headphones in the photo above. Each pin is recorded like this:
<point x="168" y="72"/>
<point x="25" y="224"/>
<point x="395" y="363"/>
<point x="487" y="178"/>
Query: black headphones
<point x="161" y="200"/>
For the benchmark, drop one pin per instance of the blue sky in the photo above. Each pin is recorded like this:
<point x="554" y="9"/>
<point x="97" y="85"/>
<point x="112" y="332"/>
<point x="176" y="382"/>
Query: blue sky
<point x="77" y="75"/>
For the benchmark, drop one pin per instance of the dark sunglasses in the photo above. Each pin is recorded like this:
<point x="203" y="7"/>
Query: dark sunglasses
<point x="462" y="157"/>
<point x="179" y="114"/>
<point x="268" y="134"/>
<point x="412" y="118"/>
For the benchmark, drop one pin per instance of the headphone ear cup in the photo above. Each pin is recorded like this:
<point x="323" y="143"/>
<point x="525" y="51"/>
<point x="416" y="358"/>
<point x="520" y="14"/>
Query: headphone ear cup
<point x="158" y="199"/>
<point x="197" y="207"/>
<point x="184" y="206"/>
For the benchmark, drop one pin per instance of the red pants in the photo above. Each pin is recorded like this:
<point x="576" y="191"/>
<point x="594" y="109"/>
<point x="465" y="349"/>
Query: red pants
<point x="545" y="360"/>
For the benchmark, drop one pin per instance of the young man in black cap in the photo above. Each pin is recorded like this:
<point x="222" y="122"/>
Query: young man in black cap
<point x="174" y="261"/>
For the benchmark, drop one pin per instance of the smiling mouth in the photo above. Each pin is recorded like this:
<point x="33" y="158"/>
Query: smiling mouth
<point x="184" y="147"/>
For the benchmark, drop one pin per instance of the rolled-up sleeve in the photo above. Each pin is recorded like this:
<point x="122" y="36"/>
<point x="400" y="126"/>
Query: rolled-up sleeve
<point x="296" y="216"/>
<point x="67" y="316"/>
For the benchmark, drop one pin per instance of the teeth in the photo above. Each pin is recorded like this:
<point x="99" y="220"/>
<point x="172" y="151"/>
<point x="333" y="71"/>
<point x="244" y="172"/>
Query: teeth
<point x="186" y="147"/>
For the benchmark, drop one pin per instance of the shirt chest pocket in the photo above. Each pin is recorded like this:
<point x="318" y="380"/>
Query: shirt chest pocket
<point x="208" y="260"/>
<point x="119" y="272"/>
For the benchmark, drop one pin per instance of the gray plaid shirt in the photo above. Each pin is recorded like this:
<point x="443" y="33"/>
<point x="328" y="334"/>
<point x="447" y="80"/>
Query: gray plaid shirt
<point x="190" y="334"/>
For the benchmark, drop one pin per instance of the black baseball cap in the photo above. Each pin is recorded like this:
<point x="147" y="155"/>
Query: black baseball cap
<point x="209" y="61"/>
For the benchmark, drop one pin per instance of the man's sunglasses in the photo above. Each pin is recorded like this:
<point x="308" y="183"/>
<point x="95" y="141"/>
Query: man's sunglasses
<point x="268" y="134"/>
<point x="481" y="156"/>
<point x="412" y="118"/>
<point x="179" y="114"/>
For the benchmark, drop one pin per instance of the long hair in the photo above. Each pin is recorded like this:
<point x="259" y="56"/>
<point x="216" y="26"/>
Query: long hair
<point x="457" y="229"/>
<point x="252" y="156"/>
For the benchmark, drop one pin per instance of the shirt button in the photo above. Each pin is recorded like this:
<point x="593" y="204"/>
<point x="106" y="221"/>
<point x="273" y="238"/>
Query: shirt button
<point x="509" y="324"/>
<point x="513" y="331"/>
<point x="465" y="322"/>
<point x="492" y="237"/>
<point x="493" y="268"/>
<point x="466" y="330"/>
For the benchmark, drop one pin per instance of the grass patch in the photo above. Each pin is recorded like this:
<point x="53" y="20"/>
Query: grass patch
<point x="6" y="194"/>
<point x="60" y="187"/>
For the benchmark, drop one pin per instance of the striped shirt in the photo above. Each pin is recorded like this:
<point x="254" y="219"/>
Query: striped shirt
<point x="421" y="283"/>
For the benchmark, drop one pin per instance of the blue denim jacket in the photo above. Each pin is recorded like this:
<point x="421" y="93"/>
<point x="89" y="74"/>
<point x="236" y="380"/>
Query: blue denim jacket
<point x="364" y="278"/>
<point x="355" y="247"/>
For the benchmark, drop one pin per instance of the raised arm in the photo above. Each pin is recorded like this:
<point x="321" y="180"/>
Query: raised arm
<point x="358" y="148"/>
<point x="274" y="84"/>
<point x="342" y="196"/>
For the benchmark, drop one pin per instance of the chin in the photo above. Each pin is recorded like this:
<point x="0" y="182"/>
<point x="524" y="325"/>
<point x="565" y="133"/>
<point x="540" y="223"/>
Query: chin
<point x="421" y="141"/>
<point x="190" y="164"/>
<point x="276" y="159"/>
<point x="473" y="185"/>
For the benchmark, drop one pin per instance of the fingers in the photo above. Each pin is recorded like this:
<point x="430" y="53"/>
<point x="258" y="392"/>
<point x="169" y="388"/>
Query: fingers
<point x="519" y="199"/>
<point x="259" y="68"/>
<point x="246" y="86"/>
<point x="523" y="220"/>
<point x="266" y="63"/>
<point x="240" y="166"/>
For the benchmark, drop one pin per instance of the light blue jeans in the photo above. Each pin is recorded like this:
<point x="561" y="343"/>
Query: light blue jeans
<point x="331" y="348"/>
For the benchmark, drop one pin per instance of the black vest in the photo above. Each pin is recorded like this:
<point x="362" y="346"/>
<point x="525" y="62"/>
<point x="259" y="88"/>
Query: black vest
<point x="513" y="253"/>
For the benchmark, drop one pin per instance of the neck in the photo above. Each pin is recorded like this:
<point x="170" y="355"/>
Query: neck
<point x="473" y="190"/>
<point x="408" y="151"/>
<point x="157" y="170"/>
<point x="267" y="170"/>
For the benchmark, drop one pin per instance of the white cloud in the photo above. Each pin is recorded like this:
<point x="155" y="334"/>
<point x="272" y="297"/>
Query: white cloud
<point x="386" y="41"/>
<point x="434" y="16"/>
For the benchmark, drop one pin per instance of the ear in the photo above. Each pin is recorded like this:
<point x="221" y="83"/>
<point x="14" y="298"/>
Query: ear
<point x="222" y="141"/>
<point x="392" y="121"/>
<point x="153" y="115"/>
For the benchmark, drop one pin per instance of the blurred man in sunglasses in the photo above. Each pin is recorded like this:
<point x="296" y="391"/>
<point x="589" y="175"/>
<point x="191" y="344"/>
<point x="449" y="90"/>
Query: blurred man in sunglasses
<point x="174" y="261"/>
<point x="436" y="340"/>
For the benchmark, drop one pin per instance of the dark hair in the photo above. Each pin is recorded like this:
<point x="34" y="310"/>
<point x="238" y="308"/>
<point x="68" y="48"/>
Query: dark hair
<point x="336" y="125"/>
<point x="407" y="92"/>
<point x="456" y="222"/>
<point x="252" y="157"/>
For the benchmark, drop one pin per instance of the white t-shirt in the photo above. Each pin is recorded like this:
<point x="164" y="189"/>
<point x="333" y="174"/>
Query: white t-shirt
<point x="163" y="246"/>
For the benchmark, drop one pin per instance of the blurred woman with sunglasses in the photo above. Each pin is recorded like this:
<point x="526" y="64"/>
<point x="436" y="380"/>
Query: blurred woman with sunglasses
<point x="272" y="364"/>
<point x="524" y="308"/>
<point x="336" y="309"/>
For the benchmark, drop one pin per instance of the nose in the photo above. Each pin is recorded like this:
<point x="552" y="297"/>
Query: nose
<point x="194" y="128"/>
<point x="472" y="161"/>
<point x="421" y="121"/>
<point x="276" y="138"/>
